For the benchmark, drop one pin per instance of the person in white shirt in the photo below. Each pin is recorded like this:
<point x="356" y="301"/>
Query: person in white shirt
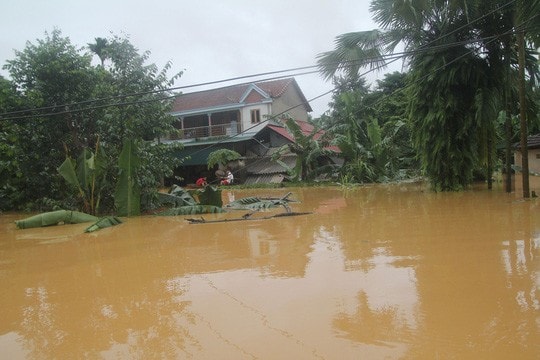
<point x="228" y="180"/>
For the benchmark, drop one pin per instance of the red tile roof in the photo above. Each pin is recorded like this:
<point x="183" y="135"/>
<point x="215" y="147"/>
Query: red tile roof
<point x="232" y="95"/>
<point x="307" y="129"/>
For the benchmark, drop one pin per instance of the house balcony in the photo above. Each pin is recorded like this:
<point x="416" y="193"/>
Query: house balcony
<point x="198" y="132"/>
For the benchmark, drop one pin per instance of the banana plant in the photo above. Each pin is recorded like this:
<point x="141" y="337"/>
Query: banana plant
<point x="209" y="201"/>
<point x="309" y="148"/>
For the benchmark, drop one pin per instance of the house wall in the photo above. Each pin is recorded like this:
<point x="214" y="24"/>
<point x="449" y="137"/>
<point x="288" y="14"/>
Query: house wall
<point x="265" y="110"/>
<point x="534" y="160"/>
<point x="288" y="100"/>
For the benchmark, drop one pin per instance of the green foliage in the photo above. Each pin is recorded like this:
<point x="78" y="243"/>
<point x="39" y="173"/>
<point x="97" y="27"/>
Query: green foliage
<point x="370" y="129"/>
<point x="185" y="204"/>
<point x="54" y="74"/>
<point x="51" y="73"/>
<point x="456" y="89"/>
<point x="178" y="197"/>
<point x="257" y="204"/>
<point x="210" y="195"/>
<point x="54" y="218"/>
<point x="157" y="162"/>
<point x="88" y="176"/>
<point x="221" y="157"/>
<point x="443" y="114"/>
<point x="100" y="48"/>
<point x="310" y="150"/>
<point x="11" y="176"/>
<point x="102" y="223"/>
<point x="353" y="51"/>
<point x="127" y="196"/>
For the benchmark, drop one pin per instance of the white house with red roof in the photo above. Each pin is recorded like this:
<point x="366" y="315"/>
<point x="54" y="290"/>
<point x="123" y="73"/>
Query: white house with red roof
<point x="244" y="118"/>
<point x="238" y="108"/>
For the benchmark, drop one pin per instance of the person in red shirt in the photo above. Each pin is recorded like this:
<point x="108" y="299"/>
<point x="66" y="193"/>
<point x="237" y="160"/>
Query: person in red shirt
<point x="201" y="182"/>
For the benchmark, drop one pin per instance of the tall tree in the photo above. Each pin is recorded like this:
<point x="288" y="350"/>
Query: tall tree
<point x="50" y="74"/>
<point x="72" y="105"/>
<point x="100" y="49"/>
<point x="11" y="176"/>
<point x="454" y="97"/>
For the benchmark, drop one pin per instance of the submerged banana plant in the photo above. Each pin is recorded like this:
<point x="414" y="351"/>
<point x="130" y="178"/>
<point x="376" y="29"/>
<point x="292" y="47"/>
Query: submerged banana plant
<point x="185" y="203"/>
<point x="87" y="175"/>
<point x="191" y="210"/>
<point x="258" y="204"/>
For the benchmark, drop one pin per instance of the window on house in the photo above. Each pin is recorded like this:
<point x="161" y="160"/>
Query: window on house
<point x="538" y="156"/>
<point x="255" y="116"/>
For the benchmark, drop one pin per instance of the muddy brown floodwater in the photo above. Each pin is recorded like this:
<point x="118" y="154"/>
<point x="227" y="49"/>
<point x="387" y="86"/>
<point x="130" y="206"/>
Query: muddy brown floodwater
<point x="376" y="272"/>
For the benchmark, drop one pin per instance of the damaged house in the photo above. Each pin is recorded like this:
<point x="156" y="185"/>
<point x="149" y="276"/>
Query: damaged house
<point x="246" y="118"/>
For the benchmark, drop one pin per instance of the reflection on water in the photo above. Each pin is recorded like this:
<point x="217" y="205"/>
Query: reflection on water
<point x="375" y="272"/>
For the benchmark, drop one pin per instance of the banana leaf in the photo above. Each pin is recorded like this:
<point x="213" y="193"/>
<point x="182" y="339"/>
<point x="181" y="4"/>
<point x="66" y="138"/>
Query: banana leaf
<point x="210" y="195"/>
<point x="191" y="210"/>
<point x="87" y="175"/>
<point x="85" y="168"/>
<point x="55" y="218"/>
<point x="67" y="170"/>
<point x="103" y="223"/>
<point x="256" y="203"/>
<point x="183" y="197"/>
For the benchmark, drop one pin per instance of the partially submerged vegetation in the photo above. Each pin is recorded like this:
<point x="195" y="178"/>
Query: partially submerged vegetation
<point x="446" y="119"/>
<point x="181" y="202"/>
<point x="61" y="217"/>
<point x="61" y="111"/>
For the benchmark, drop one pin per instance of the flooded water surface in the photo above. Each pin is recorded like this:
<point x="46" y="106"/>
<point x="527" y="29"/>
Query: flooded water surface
<point x="377" y="272"/>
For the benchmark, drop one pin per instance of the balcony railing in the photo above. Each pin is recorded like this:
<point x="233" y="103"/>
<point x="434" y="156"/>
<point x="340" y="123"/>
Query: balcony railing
<point x="229" y="129"/>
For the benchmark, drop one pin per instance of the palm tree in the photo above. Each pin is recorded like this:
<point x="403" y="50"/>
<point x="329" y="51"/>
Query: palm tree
<point x="100" y="49"/>
<point x="455" y="89"/>
<point x="526" y="21"/>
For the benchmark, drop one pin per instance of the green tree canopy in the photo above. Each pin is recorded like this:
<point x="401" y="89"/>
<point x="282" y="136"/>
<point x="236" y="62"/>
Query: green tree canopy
<point x="71" y="105"/>
<point x="459" y="54"/>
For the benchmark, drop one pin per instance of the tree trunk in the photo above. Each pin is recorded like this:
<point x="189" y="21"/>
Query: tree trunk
<point x="523" y="115"/>
<point x="508" y="150"/>
<point x="490" y="163"/>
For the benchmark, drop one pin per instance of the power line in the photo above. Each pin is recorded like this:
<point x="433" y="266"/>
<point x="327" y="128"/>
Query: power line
<point x="487" y="40"/>
<point x="69" y="108"/>
<point x="392" y="57"/>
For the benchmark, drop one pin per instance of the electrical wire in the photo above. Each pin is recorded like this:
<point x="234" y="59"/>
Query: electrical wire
<point x="69" y="107"/>
<point x="393" y="57"/>
<point x="489" y="39"/>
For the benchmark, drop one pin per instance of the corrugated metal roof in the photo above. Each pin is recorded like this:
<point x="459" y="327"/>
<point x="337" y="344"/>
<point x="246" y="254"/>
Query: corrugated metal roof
<point x="265" y="171"/>
<point x="265" y="165"/>
<point x="533" y="142"/>
<point x="265" y="179"/>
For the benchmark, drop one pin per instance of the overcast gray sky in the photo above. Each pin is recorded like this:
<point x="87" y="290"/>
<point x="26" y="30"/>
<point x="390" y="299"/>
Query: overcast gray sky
<point x="209" y="39"/>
